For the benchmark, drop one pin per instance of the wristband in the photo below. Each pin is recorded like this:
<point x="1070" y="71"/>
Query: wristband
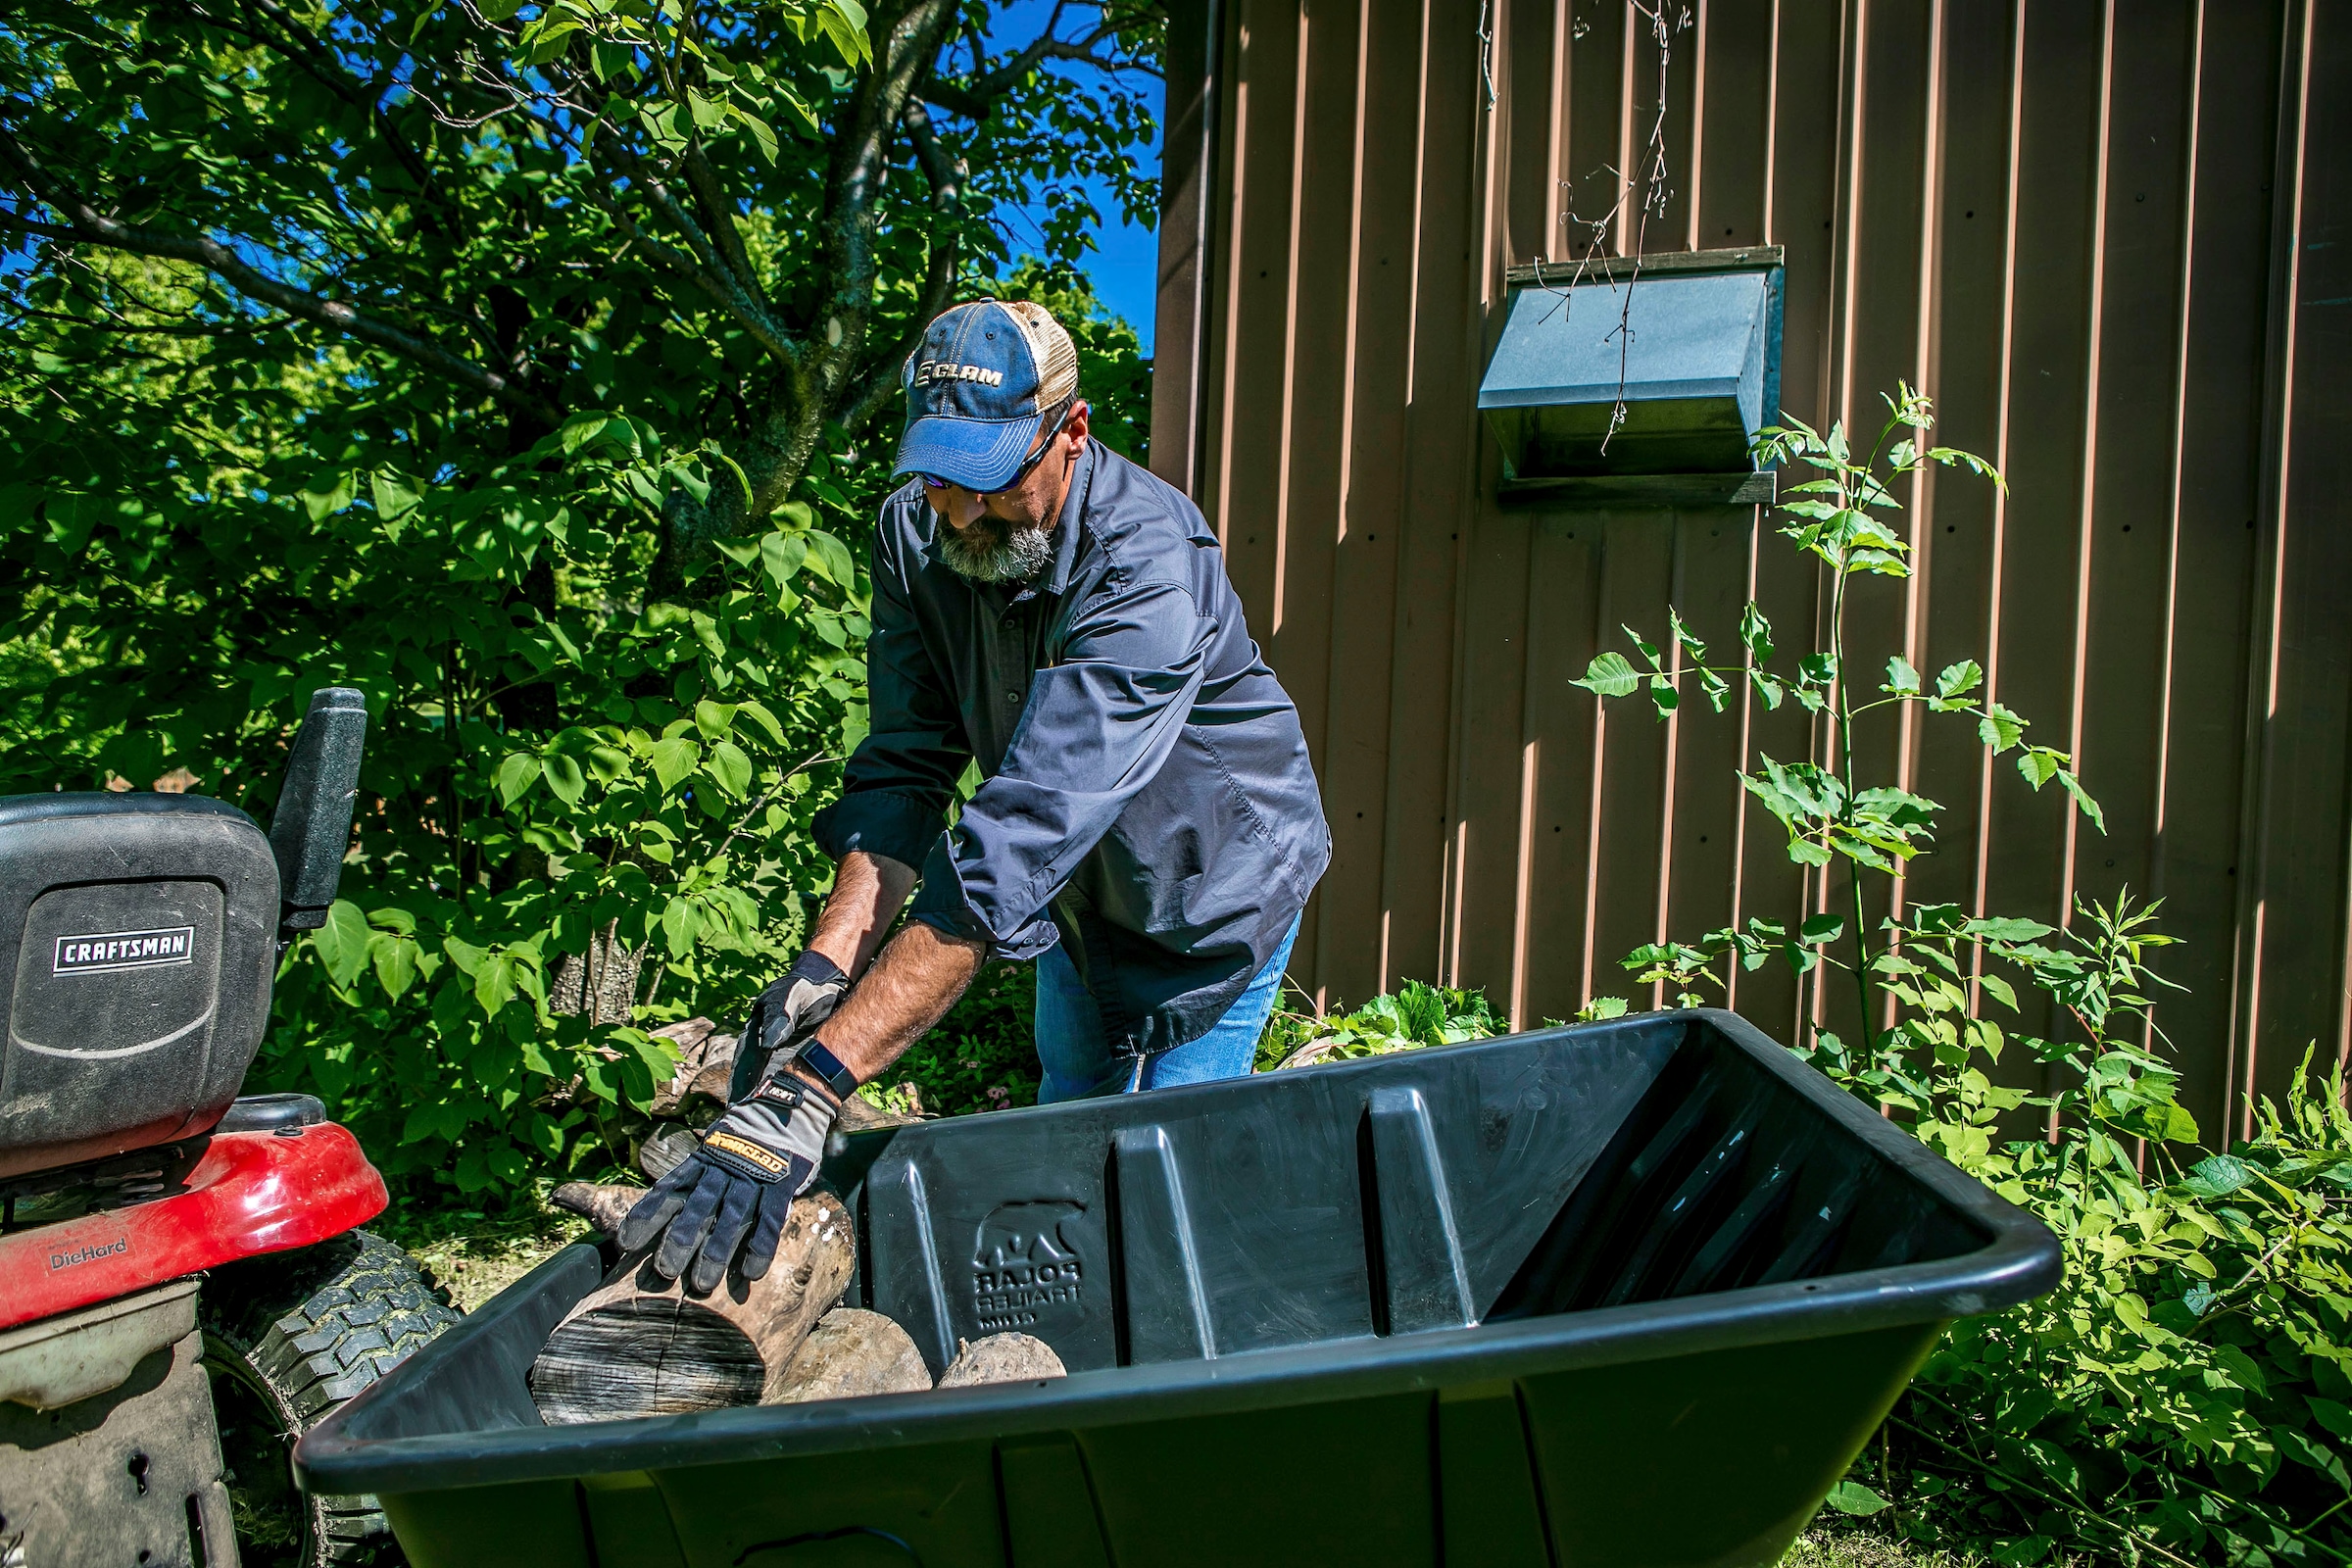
<point x="826" y="1066"/>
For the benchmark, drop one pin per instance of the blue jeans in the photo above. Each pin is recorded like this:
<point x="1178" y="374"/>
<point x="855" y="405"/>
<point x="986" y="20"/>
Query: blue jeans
<point x="1079" y="1063"/>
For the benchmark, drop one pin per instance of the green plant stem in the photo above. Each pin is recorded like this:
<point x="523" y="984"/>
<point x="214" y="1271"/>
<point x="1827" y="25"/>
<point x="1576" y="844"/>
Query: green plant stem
<point x="1865" y="990"/>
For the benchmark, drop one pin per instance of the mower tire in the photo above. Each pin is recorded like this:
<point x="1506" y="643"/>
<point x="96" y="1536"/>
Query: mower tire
<point x="288" y="1338"/>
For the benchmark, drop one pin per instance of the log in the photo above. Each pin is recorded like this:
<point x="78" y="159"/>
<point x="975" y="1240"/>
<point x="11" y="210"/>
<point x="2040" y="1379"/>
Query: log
<point x="640" y="1344"/>
<point x="1001" y="1358"/>
<point x="601" y="1203"/>
<point x="850" y="1353"/>
<point x="665" y="1150"/>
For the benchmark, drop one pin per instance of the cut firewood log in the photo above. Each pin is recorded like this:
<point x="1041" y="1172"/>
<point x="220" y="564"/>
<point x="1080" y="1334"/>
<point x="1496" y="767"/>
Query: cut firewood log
<point x="858" y="1114"/>
<point x="665" y="1150"/>
<point x="706" y="1057"/>
<point x="600" y="1203"/>
<point x="850" y="1352"/>
<point x="640" y="1344"/>
<point x="1001" y="1358"/>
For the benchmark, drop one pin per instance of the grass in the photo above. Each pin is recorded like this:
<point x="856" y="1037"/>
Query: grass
<point x="1848" y="1547"/>
<point x="476" y="1254"/>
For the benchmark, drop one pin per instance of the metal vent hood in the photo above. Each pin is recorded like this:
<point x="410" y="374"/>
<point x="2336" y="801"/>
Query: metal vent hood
<point x="1694" y="343"/>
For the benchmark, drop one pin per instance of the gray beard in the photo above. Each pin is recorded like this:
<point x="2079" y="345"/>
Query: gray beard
<point x="1018" y="554"/>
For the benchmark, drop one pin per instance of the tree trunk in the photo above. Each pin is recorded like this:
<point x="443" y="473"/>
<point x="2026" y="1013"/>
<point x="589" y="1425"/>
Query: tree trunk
<point x="601" y="981"/>
<point x="850" y="1353"/>
<point x="640" y="1344"/>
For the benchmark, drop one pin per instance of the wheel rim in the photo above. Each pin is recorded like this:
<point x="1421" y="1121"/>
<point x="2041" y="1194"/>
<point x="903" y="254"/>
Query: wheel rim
<point x="276" y="1526"/>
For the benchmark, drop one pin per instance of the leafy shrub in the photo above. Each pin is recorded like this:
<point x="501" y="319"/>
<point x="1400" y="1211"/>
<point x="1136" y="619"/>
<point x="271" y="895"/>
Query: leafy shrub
<point x="1417" y="1014"/>
<point x="576" y="785"/>
<point x="981" y="1057"/>
<point x="2182" y="1396"/>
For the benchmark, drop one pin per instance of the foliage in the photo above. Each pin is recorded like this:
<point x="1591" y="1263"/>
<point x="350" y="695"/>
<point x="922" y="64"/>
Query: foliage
<point x="592" y="751"/>
<point x="1417" y="1015"/>
<point x="2183" y="1396"/>
<point x="1830" y="815"/>
<point x="728" y="221"/>
<point x="981" y="1057"/>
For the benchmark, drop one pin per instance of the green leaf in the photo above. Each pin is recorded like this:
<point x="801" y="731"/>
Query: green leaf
<point x="1901" y="679"/>
<point x="781" y="555"/>
<point x="2037" y="766"/>
<point x="2088" y="807"/>
<point x="564" y="777"/>
<point x="1757" y="633"/>
<point x="516" y="775"/>
<point x="1958" y="680"/>
<point x="1610" y="675"/>
<point x="2217" y="1176"/>
<point x="760" y="716"/>
<point x="673" y="760"/>
<point x="2000" y="728"/>
<point x="494" y="983"/>
<point x="343" y="941"/>
<point x="1822" y="928"/>
<point x="393" y="496"/>
<point x="681" y="923"/>
<point x="395" y="963"/>
<point x="2333" y="1416"/>
<point x="831" y="557"/>
<point x="729" y="768"/>
<point x="1853" y="1497"/>
<point x="763" y="136"/>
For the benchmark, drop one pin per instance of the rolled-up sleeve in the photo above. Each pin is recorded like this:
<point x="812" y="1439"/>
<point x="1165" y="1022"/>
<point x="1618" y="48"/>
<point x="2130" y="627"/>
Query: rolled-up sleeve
<point x="1099" y="723"/>
<point x="895" y="788"/>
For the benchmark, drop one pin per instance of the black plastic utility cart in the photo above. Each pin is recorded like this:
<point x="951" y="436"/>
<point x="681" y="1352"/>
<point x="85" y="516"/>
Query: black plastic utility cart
<point x="1629" y="1292"/>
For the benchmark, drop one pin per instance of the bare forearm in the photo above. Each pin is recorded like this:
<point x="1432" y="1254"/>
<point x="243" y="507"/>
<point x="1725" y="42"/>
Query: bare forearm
<point x="868" y="892"/>
<point x="910" y="987"/>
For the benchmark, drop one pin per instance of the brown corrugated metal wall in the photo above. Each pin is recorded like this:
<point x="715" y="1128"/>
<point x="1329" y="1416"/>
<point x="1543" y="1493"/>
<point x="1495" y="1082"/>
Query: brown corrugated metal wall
<point x="2114" y="243"/>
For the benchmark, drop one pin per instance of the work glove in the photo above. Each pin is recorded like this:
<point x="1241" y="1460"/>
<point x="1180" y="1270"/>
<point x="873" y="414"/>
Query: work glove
<point x="735" y="1191"/>
<point x="787" y="1012"/>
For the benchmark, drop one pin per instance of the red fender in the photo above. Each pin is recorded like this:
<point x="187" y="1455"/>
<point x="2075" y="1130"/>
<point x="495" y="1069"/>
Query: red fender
<point x="251" y="1192"/>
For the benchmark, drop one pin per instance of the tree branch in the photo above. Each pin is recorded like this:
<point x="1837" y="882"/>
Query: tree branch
<point x="718" y="216"/>
<point x="946" y="174"/>
<point x="85" y="224"/>
<point x="303" y="49"/>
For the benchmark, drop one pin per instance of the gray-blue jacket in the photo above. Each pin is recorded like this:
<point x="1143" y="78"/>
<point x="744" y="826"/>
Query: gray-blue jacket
<point x="1147" y="798"/>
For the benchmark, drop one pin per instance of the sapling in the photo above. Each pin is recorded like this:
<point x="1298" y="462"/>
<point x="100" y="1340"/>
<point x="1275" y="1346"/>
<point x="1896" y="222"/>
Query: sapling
<point x="1830" y="816"/>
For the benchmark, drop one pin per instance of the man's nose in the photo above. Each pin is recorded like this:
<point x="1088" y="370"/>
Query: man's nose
<point x="964" y="507"/>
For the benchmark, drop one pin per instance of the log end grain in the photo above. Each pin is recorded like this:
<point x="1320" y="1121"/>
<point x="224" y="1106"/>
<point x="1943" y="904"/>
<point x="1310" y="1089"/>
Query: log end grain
<point x="1001" y="1358"/>
<point x="647" y="1356"/>
<point x="850" y="1353"/>
<point x="641" y="1344"/>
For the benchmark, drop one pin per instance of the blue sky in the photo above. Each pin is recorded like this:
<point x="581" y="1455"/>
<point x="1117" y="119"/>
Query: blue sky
<point x="1124" y="264"/>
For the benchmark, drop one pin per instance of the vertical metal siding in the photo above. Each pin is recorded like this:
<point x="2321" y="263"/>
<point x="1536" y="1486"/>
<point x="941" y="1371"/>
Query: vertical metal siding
<point x="2110" y="241"/>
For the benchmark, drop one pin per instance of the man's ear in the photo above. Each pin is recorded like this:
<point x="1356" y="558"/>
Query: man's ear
<point x="1075" y="426"/>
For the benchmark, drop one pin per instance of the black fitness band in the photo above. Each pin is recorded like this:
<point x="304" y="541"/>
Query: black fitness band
<point x="817" y="1060"/>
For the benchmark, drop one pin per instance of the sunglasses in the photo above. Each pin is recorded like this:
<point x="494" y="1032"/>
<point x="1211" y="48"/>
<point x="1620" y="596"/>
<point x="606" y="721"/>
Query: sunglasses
<point x="933" y="481"/>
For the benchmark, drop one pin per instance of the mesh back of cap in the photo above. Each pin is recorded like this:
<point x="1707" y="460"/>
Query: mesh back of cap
<point x="1056" y="357"/>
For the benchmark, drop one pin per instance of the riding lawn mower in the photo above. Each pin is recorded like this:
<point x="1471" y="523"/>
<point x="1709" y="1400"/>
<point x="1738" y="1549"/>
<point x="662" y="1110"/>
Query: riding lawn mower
<point x="183" y="1279"/>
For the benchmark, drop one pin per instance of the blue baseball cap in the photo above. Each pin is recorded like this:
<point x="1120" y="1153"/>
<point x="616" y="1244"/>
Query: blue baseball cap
<point x="977" y="386"/>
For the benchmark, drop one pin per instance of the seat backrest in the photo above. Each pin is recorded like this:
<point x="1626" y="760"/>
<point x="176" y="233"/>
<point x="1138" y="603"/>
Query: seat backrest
<point x="139" y="935"/>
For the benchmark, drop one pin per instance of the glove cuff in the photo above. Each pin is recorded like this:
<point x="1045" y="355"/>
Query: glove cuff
<point x="815" y="966"/>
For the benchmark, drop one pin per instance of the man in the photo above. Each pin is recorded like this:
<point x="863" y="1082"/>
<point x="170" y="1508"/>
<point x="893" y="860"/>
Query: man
<point x="1148" y="827"/>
